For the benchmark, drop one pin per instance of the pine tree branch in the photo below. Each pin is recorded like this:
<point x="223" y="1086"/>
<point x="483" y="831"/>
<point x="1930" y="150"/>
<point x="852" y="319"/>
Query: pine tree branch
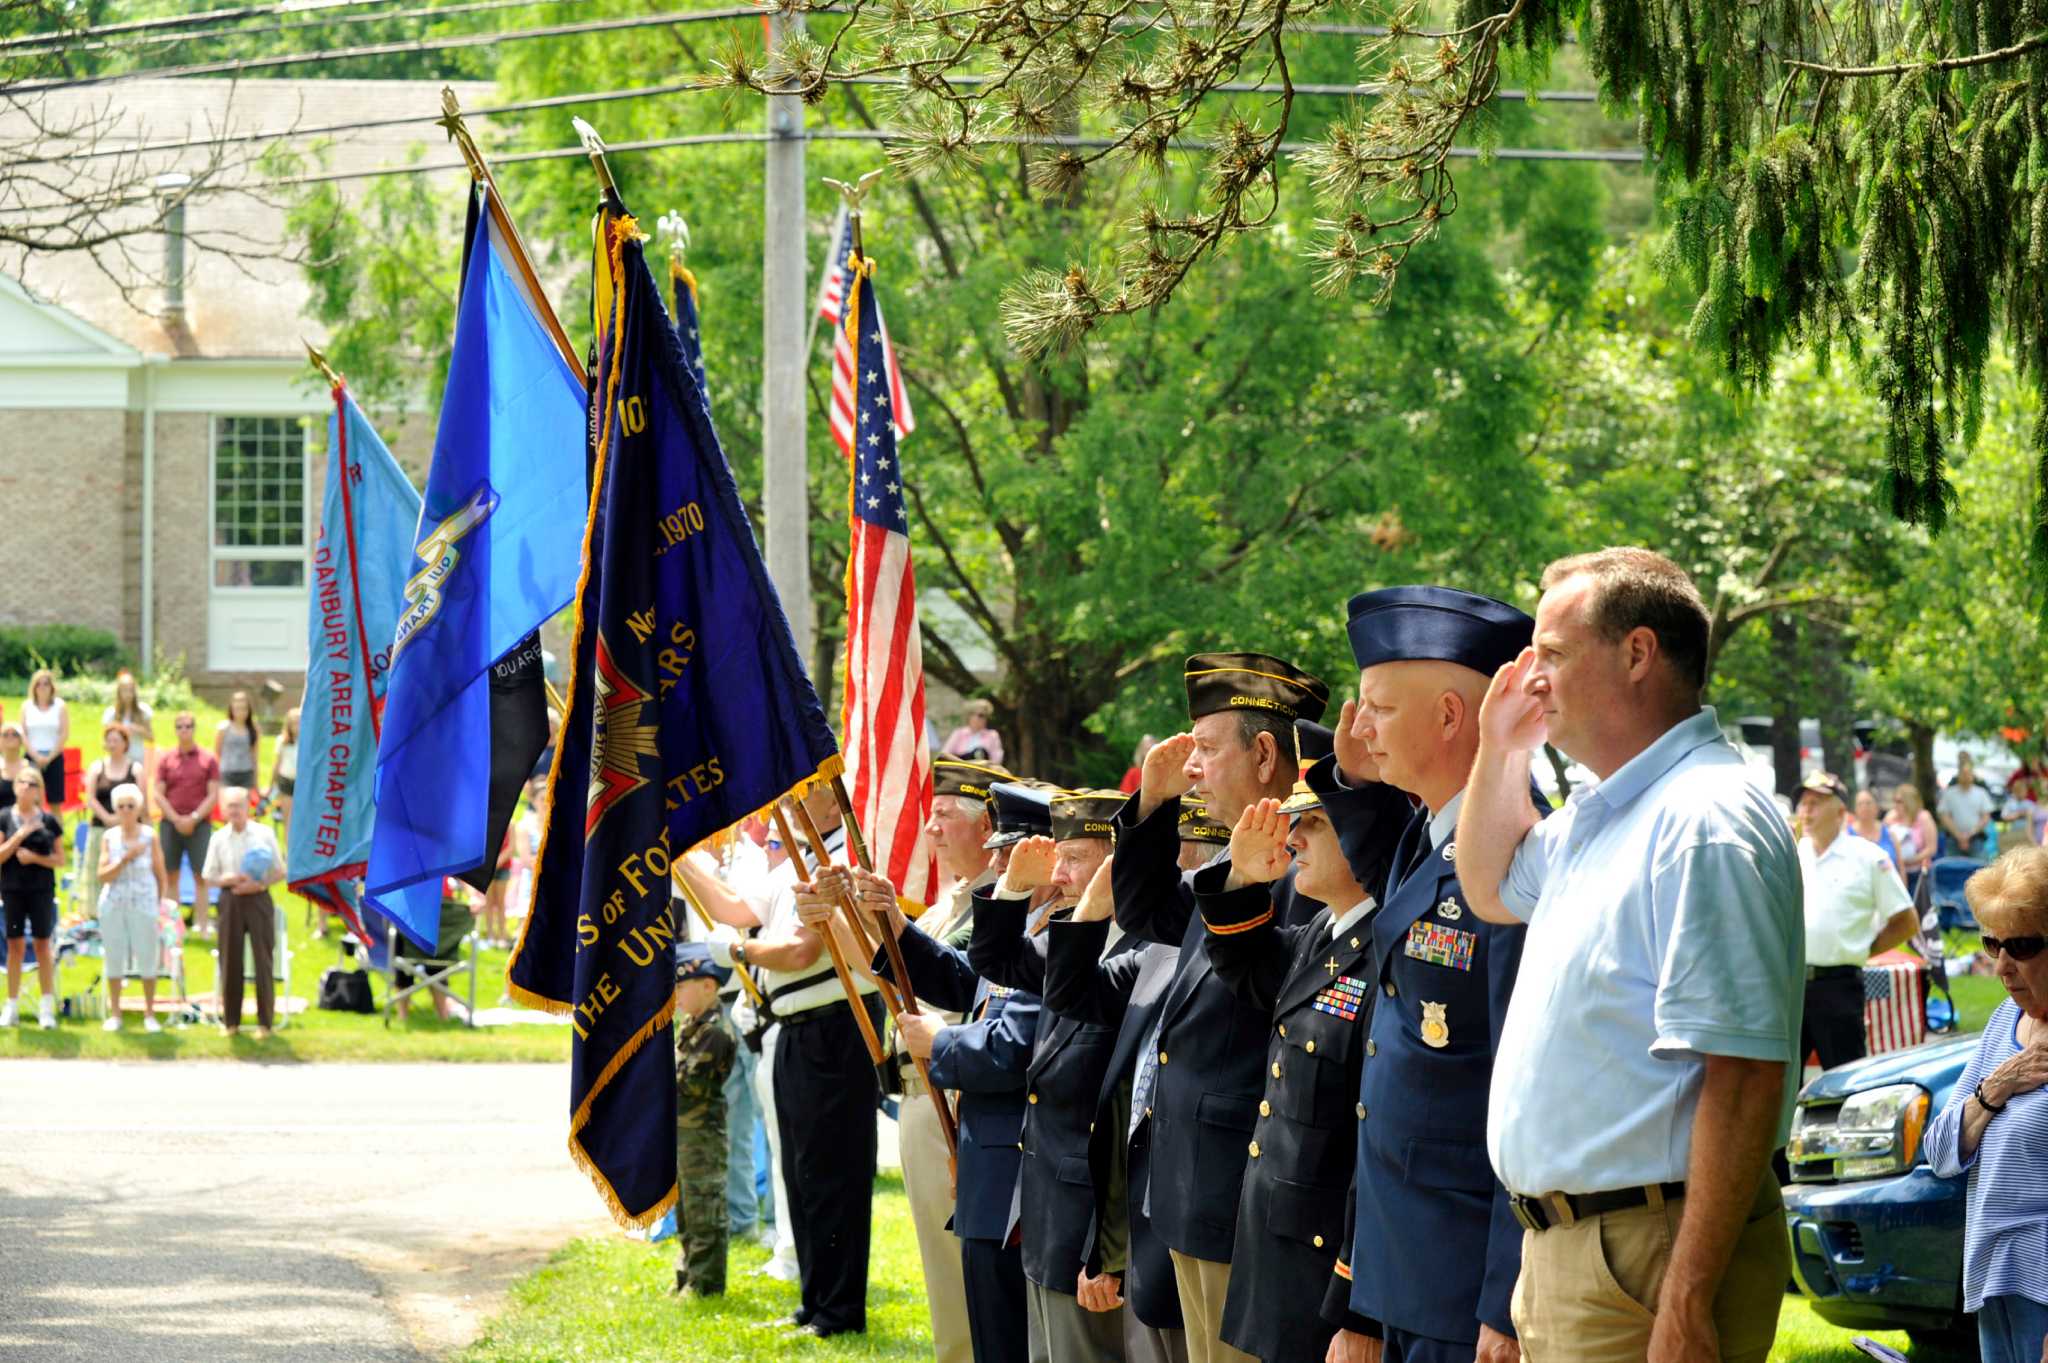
<point x="2018" y="49"/>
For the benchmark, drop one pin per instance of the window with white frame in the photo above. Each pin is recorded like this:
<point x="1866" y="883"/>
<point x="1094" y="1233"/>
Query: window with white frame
<point x="259" y="501"/>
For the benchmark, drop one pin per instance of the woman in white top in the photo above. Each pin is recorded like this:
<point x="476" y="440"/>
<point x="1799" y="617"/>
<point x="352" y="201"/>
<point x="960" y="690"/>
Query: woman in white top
<point x="46" y="721"/>
<point x="132" y="883"/>
<point x="115" y="769"/>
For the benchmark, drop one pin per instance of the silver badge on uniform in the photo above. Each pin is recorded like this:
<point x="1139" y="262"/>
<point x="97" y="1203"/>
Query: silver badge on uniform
<point x="1450" y="910"/>
<point x="1450" y="851"/>
<point x="1436" y="1032"/>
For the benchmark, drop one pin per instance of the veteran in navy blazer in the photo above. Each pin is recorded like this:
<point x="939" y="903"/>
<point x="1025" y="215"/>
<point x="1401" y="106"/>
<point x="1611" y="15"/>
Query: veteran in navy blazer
<point x="983" y="1058"/>
<point x="1435" y="1250"/>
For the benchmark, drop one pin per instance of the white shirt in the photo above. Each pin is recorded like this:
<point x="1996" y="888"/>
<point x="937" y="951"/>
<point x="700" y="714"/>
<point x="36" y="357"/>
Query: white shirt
<point x="41" y="724"/>
<point x="798" y="991"/>
<point x="1664" y="926"/>
<point x="1851" y="893"/>
<point x="1349" y="919"/>
<point x="225" y="849"/>
<point x="1964" y="807"/>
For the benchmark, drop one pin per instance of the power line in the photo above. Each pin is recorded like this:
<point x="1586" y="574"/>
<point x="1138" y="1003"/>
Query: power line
<point x="188" y="20"/>
<point x="62" y="45"/>
<point x="239" y="66"/>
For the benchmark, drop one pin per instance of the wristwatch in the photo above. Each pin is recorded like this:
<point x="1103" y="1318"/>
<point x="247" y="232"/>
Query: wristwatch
<point x="739" y="953"/>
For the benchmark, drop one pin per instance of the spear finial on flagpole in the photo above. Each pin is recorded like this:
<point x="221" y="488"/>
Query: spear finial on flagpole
<point x="319" y="362"/>
<point x="676" y="232"/>
<point x="594" y="144"/>
<point x="853" y="194"/>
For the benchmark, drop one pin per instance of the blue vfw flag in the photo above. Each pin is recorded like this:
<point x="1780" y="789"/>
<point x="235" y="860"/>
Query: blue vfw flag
<point x="360" y="562"/>
<point x="496" y="555"/>
<point x="683" y="285"/>
<point x="688" y="710"/>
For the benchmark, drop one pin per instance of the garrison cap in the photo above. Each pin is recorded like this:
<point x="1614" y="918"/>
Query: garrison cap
<point x="1086" y="813"/>
<point x="1316" y="741"/>
<point x="1406" y="624"/>
<point x="1196" y="825"/>
<point x="1021" y="809"/>
<point x="1252" y="681"/>
<point x="693" y="962"/>
<point x="968" y="780"/>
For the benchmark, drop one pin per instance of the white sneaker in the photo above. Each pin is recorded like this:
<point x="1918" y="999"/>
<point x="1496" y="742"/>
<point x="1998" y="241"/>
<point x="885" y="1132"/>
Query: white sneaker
<point x="150" y="1024"/>
<point x="112" y="1024"/>
<point x="10" y="1013"/>
<point x="46" y="1015"/>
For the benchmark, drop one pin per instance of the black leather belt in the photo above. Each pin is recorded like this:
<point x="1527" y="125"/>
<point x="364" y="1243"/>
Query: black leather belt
<point x="1566" y="1209"/>
<point x="1832" y="972"/>
<point x="823" y="1010"/>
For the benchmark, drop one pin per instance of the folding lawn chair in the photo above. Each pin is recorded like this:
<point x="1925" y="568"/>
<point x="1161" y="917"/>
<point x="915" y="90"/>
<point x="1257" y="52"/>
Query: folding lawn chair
<point x="454" y="954"/>
<point x="1948" y="875"/>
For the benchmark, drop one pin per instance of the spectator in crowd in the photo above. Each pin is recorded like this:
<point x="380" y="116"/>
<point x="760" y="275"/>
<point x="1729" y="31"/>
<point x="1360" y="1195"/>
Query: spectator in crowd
<point x="2026" y="798"/>
<point x="1135" y="777"/>
<point x="130" y="713"/>
<point x="975" y="740"/>
<point x="130" y="870"/>
<point x="235" y="741"/>
<point x="284" y="769"/>
<point x="1913" y="833"/>
<point x="186" y="784"/>
<point x="492" y="924"/>
<point x="1965" y="810"/>
<point x="1870" y="826"/>
<point x="1856" y="907"/>
<point x="242" y="861"/>
<point x="116" y="768"/>
<point x="13" y="754"/>
<point x="1994" y="1128"/>
<point x="46" y="721"/>
<point x="30" y="843"/>
<point x="1648" y="1062"/>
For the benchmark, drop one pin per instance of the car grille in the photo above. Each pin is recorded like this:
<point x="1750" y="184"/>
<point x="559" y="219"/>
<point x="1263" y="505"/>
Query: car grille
<point x="1846" y="1238"/>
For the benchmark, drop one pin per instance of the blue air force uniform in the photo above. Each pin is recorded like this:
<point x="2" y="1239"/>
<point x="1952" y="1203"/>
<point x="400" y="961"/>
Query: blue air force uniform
<point x="983" y="1058"/>
<point x="1435" y="1250"/>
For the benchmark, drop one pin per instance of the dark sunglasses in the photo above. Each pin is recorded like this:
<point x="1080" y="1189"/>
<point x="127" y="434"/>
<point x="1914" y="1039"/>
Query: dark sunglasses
<point x="2019" y="948"/>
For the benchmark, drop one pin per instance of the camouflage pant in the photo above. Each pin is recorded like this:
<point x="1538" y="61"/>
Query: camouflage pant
<point x="700" y="1206"/>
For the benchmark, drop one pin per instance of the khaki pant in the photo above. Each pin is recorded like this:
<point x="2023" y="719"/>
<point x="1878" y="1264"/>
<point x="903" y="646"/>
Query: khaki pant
<point x="1587" y="1291"/>
<point x="928" y="1181"/>
<point x="1203" y="1284"/>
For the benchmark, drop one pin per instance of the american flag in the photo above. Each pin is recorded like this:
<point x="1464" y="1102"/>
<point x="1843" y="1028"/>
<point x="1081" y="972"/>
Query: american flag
<point x="831" y="302"/>
<point x="884" y="709"/>
<point x="1894" y="1003"/>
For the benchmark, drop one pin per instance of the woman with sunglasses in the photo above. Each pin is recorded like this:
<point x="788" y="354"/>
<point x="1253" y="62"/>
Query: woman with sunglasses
<point x="1994" y="1129"/>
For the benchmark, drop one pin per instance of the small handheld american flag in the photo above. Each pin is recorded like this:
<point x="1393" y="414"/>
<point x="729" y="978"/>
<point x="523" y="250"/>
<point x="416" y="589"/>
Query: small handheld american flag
<point x="884" y="711"/>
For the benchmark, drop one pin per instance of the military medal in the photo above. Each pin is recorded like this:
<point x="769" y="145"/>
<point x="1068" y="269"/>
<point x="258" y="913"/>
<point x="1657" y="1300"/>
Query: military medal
<point x="1440" y="945"/>
<point x="1436" y="1033"/>
<point x="1331" y="965"/>
<point x="1342" y="998"/>
<point x="1450" y="910"/>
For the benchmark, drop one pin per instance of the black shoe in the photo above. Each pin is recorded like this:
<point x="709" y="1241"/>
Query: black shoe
<point x="819" y="1331"/>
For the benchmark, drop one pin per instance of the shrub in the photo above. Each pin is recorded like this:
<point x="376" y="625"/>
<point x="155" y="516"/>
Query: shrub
<point x="61" y="648"/>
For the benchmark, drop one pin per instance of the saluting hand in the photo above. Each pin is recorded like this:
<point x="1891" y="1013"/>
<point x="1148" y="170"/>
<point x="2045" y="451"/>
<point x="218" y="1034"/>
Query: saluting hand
<point x="1352" y="758"/>
<point x="1098" y="901"/>
<point x="1510" y="718"/>
<point x="1258" y="845"/>
<point x="1030" y="866"/>
<point x="1165" y="775"/>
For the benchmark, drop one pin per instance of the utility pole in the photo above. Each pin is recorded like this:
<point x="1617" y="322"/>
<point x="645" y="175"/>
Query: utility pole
<point x="785" y="492"/>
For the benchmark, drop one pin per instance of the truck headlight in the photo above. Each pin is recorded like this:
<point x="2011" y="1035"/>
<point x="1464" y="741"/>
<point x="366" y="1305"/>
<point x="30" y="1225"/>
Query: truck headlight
<point x="1878" y="1131"/>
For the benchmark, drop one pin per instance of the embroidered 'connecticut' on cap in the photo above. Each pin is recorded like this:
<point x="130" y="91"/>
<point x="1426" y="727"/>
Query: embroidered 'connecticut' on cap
<point x="1252" y="681"/>
<point x="968" y="780"/>
<point x="1086" y="814"/>
<point x="1406" y="624"/>
<point x="1195" y="824"/>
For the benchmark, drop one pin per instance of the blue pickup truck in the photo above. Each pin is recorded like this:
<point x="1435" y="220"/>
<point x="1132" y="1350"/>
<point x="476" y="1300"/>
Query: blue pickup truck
<point x="1877" y="1239"/>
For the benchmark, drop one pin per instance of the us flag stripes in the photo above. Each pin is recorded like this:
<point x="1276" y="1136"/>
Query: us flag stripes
<point x="884" y="737"/>
<point x="831" y="307"/>
<point x="1894" y="1006"/>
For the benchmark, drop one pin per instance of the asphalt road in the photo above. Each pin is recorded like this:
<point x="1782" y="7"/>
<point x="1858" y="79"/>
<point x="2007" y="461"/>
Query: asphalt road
<point x="243" y="1213"/>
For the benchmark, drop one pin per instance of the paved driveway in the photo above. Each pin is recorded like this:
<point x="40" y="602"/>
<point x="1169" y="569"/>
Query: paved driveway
<point x="223" y="1212"/>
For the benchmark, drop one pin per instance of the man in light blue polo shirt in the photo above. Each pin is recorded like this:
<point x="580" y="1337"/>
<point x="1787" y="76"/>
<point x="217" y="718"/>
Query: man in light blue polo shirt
<point x="1648" y="1063"/>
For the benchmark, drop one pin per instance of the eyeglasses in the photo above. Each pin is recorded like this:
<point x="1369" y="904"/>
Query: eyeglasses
<point x="182" y="726"/>
<point x="2019" y="948"/>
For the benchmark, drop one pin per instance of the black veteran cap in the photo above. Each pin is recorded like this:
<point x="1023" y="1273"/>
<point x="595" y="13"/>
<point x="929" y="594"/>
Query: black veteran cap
<point x="968" y="780"/>
<point x="1316" y="741"/>
<point x="1406" y="624"/>
<point x="1252" y="681"/>
<point x="1195" y="824"/>
<point x="1021" y="809"/>
<point x="1085" y="813"/>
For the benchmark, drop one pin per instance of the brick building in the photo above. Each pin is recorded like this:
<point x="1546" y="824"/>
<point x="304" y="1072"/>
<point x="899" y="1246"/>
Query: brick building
<point x="162" y="437"/>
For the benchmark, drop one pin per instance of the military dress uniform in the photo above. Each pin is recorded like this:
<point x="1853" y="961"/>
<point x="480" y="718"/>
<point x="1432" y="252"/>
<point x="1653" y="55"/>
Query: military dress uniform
<point x="1436" y="1248"/>
<point x="983" y="1058"/>
<point x="927" y="1171"/>
<point x="1287" y="1295"/>
<point x="1055" y="1202"/>
<point x="1209" y="1049"/>
<point x="1125" y="990"/>
<point x="705" y="1051"/>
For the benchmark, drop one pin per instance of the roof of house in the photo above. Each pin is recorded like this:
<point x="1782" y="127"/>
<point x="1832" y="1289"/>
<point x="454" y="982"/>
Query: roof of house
<point x="244" y="296"/>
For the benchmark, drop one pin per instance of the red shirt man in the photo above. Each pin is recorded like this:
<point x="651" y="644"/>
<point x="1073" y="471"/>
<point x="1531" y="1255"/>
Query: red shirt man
<point x="187" y="784"/>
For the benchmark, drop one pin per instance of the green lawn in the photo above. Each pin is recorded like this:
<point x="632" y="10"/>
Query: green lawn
<point x="609" y="1298"/>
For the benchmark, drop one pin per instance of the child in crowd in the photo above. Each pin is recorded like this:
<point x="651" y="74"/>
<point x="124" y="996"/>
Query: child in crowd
<point x="704" y="1057"/>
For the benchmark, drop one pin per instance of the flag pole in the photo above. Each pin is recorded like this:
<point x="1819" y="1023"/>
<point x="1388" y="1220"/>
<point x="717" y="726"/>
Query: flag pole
<point x="897" y="967"/>
<point x="860" y="1013"/>
<point x="710" y="924"/>
<point x="480" y="171"/>
<point x="319" y="362"/>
